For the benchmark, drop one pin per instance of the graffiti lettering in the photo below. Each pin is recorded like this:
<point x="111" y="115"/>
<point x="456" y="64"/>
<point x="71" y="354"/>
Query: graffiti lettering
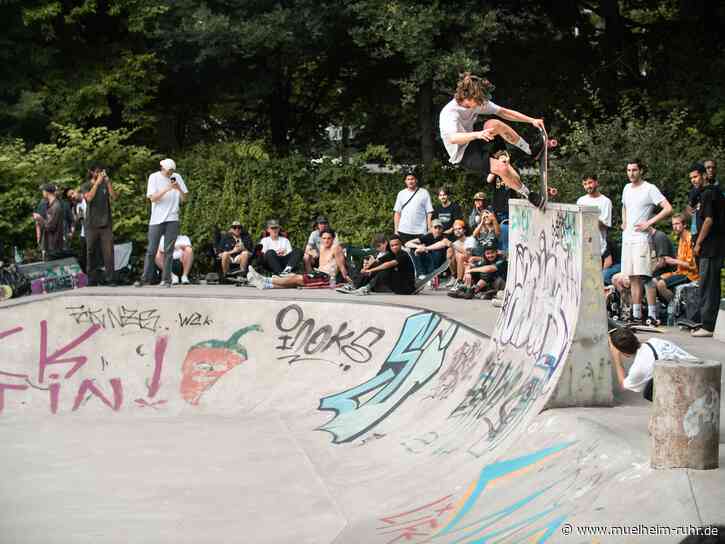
<point x="119" y="318"/>
<point x="194" y="320"/>
<point x="309" y="343"/>
<point x="459" y="370"/>
<point x="416" y="358"/>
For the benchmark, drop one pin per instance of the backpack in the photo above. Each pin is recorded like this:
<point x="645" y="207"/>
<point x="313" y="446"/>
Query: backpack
<point x="18" y="282"/>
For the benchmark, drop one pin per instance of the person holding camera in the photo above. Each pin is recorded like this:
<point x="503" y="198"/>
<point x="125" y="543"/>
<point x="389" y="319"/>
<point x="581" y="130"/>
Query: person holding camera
<point x="166" y="190"/>
<point x="98" y="193"/>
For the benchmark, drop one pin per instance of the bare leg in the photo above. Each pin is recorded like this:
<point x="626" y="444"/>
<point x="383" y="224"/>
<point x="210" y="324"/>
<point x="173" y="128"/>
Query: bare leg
<point x="499" y="128"/>
<point x="226" y="259"/>
<point x="244" y="260"/>
<point x="286" y="282"/>
<point x="159" y="260"/>
<point x="508" y="175"/>
<point x="665" y="293"/>
<point x="187" y="259"/>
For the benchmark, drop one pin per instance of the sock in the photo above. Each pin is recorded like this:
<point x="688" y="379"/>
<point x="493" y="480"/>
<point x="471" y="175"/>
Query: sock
<point x="636" y="311"/>
<point x="523" y="145"/>
<point x="652" y="311"/>
<point x="524" y="191"/>
<point x="267" y="283"/>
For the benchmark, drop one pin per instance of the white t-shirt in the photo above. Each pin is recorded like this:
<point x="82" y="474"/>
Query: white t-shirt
<point x="414" y="216"/>
<point x="276" y="245"/>
<point x="605" y="214"/>
<point x="639" y="203"/>
<point x="181" y="241"/>
<point x="167" y="208"/>
<point x="643" y="366"/>
<point x="455" y="118"/>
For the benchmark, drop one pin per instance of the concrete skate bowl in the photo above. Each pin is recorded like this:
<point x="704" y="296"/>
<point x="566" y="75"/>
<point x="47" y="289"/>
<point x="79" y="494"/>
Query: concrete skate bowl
<point x="172" y="419"/>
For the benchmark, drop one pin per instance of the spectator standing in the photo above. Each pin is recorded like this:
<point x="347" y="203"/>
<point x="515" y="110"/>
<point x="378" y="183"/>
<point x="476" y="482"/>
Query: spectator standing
<point x="41" y="209"/>
<point x="447" y="211"/>
<point x="639" y="200"/>
<point x="237" y="248"/>
<point x="413" y="210"/>
<point x="709" y="249"/>
<point x="166" y="190"/>
<point x="693" y="202"/>
<point x="98" y="194"/>
<point x="183" y="252"/>
<point x="51" y="224"/>
<point x="686" y="270"/>
<point x="711" y="172"/>
<point x="277" y="252"/>
<point x="595" y="198"/>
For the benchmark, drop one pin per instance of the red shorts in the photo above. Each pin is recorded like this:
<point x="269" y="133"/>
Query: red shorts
<point x="316" y="279"/>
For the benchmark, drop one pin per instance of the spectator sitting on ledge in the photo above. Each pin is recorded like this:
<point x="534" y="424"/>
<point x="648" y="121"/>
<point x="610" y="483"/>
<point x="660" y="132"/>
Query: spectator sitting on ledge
<point x="277" y="252"/>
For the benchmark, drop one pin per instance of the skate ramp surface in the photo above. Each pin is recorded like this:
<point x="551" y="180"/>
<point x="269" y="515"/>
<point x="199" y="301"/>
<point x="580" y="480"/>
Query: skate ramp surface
<point x="134" y="417"/>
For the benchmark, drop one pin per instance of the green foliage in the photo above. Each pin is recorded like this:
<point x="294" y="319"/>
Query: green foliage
<point x="64" y="162"/>
<point x="601" y="144"/>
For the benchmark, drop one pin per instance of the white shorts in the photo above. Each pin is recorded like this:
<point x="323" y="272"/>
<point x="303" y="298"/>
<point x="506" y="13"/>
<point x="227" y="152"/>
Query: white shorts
<point x="636" y="259"/>
<point x="237" y="258"/>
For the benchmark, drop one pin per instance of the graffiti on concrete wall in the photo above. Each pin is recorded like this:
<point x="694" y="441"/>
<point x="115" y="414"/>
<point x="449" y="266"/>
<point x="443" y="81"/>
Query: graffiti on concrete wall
<point x="57" y="366"/>
<point x="119" y="317"/>
<point x="303" y="339"/>
<point x="414" y="360"/>
<point x="206" y="362"/>
<point x="458" y="371"/>
<point x="533" y="515"/>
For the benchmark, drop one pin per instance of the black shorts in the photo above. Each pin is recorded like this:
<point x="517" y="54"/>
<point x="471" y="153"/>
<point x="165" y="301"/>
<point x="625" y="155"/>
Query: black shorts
<point x="675" y="280"/>
<point x="477" y="157"/>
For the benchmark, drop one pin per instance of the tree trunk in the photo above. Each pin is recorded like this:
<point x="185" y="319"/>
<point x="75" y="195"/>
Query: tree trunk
<point x="279" y="115"/>
<point x="425" y="122"/>
<point x="685" y="421"/>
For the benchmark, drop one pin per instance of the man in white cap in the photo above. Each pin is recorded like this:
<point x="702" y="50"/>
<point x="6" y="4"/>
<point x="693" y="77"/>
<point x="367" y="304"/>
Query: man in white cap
<point x="166" y="190"/>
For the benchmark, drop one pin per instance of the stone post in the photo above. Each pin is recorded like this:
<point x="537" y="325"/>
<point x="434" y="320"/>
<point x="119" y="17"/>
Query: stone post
<point x="685" y="421"/>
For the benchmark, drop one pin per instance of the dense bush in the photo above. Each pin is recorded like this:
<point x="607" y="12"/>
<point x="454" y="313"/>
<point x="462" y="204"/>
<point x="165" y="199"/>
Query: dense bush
<point x="241" y="181"/>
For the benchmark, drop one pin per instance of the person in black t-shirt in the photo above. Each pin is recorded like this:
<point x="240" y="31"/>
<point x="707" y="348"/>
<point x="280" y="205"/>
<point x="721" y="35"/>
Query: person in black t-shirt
<point x="447" y="212"/>
<point x="393" y="271"/>
<point x="98" y="193"/>
<point x="427" y="260"/>
<point x="709" y="249"/>
<point x="236" y="248"/>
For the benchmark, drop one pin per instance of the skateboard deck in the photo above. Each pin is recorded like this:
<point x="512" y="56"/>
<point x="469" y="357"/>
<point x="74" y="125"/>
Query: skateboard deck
<point x="544" y="169"/>
<point x="687" y="325"/>
<point x="636" y="327"/>
<point x="421" y="283"/>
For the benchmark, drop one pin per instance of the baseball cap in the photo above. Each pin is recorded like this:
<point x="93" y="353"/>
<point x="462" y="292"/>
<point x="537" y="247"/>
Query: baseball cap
<point x="459" y="223"/>
<point x="322" y="219"/>
<point x="272" y="223"/>
<point x="490" y="245"/>
<point x="236" y="224"/>
<point x="479" y="196"/>
<point x="168" y="164"/>
<point x="436" y="223"/>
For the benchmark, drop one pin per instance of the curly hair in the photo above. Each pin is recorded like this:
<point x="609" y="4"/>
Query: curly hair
<point x="473" y="87"/>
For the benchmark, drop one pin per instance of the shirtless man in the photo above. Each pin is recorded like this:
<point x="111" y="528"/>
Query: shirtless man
<point x="474" y="149"/>
<point x="330" y="262"/>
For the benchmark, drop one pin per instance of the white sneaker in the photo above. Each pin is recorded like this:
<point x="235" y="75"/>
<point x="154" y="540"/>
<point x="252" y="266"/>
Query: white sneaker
<point x="174" y="279"/>
<point x="255" y="278"/>
<point x="450" y="283"/>
<point x="456" y="286"/>
<point x="164" y="284"/>
<point x="362" y="291"/>
<point x="185" y="280"/>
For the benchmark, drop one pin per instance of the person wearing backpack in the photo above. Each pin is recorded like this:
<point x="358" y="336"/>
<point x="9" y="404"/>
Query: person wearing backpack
<point x="624" y="344"/>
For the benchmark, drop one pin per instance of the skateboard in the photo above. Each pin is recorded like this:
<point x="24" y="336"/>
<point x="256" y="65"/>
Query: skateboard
<point x="544" y="169"/>
<point x="636" y="326"/>
<point x="422" y="282"/>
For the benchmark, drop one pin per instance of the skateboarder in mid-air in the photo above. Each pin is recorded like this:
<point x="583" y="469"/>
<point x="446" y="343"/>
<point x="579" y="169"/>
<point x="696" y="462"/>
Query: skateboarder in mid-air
<point x="474" y="150"/>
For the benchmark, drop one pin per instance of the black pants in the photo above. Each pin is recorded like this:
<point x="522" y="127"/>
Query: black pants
<point x="99" y="239"/>
<point x="277" y="264"/>
<point x="709" y="291"/>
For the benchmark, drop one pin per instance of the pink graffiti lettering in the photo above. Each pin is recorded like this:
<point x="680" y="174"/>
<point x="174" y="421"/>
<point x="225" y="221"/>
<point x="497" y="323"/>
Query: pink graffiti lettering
<point x="87" y="385"/>
<point x="54" y="359"/>
<point x="8" y="332"/>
